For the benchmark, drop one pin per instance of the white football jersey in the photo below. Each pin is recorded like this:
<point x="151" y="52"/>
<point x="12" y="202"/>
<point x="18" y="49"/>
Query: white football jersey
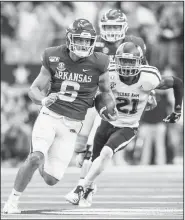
<point x="131" y="100"/>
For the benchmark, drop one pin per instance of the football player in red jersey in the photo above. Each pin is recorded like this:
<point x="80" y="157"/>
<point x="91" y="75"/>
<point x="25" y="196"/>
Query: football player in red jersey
<point x="132" y="88"/>
<point x="113" y="28"/>
<point x="75" y="72"/>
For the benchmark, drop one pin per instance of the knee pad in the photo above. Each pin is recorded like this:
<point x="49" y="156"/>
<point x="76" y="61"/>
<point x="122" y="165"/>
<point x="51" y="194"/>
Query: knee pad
<point x="106" y="152"/>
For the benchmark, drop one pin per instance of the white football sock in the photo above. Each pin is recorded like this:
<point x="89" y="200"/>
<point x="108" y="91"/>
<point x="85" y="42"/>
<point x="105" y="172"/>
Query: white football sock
<point x="81" y="182"/>
<point x="15" y="195"/>
<point x="97" y="167"/>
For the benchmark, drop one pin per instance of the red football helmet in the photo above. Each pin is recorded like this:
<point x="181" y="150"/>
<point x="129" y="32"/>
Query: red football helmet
<point x="113" y="25"/>
<point x="81" y="37"/>
<point x="128" y="59"/>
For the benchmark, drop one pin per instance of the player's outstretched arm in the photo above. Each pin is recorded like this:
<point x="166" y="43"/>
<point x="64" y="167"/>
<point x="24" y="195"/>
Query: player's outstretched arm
<point x="177" y="85"/>
<point x="38" y="85"/>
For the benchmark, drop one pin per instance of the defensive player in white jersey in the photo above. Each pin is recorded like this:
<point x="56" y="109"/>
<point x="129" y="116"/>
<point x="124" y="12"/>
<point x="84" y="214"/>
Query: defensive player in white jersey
<point x="113" y="28"/>
<point x="132" y="88"/>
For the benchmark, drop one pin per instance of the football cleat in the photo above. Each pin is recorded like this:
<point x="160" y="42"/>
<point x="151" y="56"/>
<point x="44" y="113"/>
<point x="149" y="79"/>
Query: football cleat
<point x="74" y="196"/>
<point x="86" y="199"/>
<point x="11" y="208"/>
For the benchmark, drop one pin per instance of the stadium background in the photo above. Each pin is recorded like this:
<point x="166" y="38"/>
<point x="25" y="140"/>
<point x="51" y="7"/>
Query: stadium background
<point x="27" y="28"/>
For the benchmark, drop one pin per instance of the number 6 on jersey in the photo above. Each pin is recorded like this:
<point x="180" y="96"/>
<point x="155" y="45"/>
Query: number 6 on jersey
<point x="68" y="91"/>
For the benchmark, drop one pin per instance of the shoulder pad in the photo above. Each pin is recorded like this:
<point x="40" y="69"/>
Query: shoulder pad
<point x="150" y="70"/>
<point x="150" y="77"/>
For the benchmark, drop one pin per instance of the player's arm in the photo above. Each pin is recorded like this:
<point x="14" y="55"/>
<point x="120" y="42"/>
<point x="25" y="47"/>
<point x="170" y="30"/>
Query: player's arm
<point x="177" y="85"/>
<point x="104" y="86"/>
<point x="35" y="91"/>
<point x="104" y="83"/>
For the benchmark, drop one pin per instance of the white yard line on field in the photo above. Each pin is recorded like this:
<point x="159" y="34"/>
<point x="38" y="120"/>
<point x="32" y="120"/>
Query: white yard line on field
<point x="121" y="169"/>
<point x="97" y="202"/>
<point x="105" y="196"/>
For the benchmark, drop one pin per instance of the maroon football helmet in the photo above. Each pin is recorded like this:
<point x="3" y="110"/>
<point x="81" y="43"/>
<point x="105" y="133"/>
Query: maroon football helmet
<point x="128" y="59"/>
<point x="81" y="37"/>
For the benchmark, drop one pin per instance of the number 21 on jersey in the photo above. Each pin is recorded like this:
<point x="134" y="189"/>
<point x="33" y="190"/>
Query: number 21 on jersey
<point x="127" y="106"/>
<point x="68" y="91"/>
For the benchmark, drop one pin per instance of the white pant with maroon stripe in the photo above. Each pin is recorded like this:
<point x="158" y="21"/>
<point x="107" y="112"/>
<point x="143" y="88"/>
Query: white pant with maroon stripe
<point x="55" y="135"/>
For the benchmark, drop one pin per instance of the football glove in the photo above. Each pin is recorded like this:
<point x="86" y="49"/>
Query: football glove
<point x="152" y="102"/>
<point x="172" y="118"/>
<point x="50" y="99"/>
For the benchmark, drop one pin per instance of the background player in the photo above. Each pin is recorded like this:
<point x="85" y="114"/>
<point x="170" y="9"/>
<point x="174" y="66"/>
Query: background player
<point x="131" y="90"/>
<point x="113" y="28"/>
<point x="75" y="72"/>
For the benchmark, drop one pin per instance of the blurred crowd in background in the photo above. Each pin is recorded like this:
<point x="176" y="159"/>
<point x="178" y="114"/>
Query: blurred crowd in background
<point x="27" y="28"/>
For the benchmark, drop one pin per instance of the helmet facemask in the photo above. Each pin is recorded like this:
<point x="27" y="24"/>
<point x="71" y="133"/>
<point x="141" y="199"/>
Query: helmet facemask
<point x="128" y="65"/>
<point x="117" y="32"/>
<point x="81" y="49"/>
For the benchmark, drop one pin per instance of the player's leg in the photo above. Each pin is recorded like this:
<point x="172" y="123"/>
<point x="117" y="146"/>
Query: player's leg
<point x="83" y="144"/>
<point x="101" y="137"/>
<point x="61" y="152"/>
<point x="100" y="143"/>
<point x="147" y="133"/>
<point x="160" y="148"/>
<point x="87" y="162"/>
<point x="42" y="138"/>
<point x="118" y="139"/>
<point x="74" y="195"/>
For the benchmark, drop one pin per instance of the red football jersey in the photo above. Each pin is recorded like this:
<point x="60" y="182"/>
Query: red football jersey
<point x="75" y="82"/>
<point x="110" y="48"/>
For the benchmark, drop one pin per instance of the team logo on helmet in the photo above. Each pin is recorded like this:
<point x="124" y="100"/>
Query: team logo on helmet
<point x="61" y="66"/>
<point x="83" y="23"/>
